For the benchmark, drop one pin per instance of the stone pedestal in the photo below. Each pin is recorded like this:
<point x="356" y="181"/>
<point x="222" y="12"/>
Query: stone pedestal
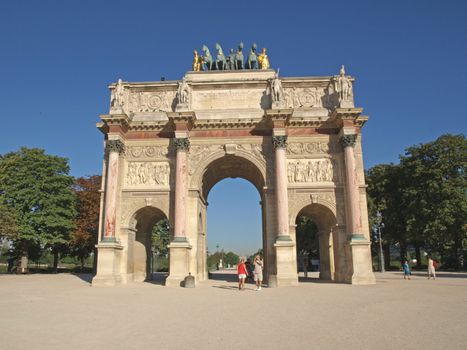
<point x="108" y="264"/>
<point x="361" y="262"/>
<point x="286" y="269"/>
<point x="179" y="263"/>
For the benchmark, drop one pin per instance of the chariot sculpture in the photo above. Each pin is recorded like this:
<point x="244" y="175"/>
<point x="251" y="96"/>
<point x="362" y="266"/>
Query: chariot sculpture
<point x="234" y="61"/>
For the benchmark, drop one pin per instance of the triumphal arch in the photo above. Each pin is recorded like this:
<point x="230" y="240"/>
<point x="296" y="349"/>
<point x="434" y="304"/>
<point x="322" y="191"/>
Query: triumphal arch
<point x="296" y="139"/>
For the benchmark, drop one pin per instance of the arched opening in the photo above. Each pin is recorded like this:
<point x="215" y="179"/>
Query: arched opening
<point x="315" y="242"/>
<point x="233" y="221"/>
<point x="151" y="238"/>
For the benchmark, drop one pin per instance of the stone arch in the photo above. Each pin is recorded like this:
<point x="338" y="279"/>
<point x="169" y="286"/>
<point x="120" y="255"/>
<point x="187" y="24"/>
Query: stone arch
<point x="133" y="206"/>
<point x="141" y="224"/>
<point x="325" y="219"/>
<point x="202" y="166"/>
<point x="302" y="202"/>
<point x="214" y="168"/>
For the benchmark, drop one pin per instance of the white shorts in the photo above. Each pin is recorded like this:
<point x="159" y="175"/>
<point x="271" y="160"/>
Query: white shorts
<point x="258" y="277"/>
<point x="241" y="276"/>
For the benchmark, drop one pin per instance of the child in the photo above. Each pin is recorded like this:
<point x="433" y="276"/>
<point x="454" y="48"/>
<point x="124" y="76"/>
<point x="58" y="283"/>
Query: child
<point x="406" y="269"/>
<point x="242" y="273"/>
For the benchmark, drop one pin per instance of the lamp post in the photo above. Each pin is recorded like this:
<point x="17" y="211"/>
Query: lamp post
<point x="379" y="222"/>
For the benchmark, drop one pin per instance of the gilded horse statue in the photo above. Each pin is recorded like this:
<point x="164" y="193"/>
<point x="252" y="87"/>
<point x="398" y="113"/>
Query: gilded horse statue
<point x="207" y="59"/>
<point x="221" y="63"/>
<point x="252" y="62"/>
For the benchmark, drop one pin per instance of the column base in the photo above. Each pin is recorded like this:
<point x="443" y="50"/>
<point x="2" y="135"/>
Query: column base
<point x="108" y="264"/>
<point x="179" y="267"/>
<point x="361" y="261"/>
<point x="285" y="265"/>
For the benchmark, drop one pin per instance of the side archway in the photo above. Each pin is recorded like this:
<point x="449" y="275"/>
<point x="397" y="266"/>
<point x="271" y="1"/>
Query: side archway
<point x="325" y="222"/>
<point x="140" y="241"/>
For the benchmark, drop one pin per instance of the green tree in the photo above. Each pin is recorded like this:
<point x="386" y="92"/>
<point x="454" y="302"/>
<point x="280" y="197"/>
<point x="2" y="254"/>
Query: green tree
<point x="231" y="258"/>
<point x="8" y="222"/>
<point x="436" y="196"/>
<point x="161" y="237"/>
<point x="307" y="237"/>
<point x="37" y="186"/>
<point x="386" y="183"/>
<point x="84" y="238"/>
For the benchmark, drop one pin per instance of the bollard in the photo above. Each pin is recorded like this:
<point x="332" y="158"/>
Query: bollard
<point x="189" y="281"/>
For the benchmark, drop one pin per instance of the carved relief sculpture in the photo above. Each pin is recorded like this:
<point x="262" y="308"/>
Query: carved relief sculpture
<point x="310" y="171"/>
<point x="147" y="173"/>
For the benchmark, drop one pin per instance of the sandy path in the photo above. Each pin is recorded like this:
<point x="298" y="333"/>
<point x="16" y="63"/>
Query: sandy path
<point x="64" y="312"/>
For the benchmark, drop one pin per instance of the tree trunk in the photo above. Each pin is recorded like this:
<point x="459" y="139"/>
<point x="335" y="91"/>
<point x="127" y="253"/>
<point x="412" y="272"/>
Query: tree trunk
<point x="403" y="251"/>
<point x="387" y="256"/>
<point x="55" y="261"/>
<point x="82" y="263"/>
<point x="418" y="256"/>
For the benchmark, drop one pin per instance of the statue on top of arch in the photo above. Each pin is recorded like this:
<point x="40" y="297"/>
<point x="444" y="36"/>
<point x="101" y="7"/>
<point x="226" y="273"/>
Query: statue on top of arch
<point x="234" y="61"/>
<point x="343" y="87"/>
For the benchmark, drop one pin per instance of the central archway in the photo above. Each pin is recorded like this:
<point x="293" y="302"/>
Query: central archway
<point x="230" y="166"/>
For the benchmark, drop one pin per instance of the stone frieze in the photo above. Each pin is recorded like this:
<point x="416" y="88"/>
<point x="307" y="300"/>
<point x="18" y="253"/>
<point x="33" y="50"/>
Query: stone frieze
<point x="147" y="174"/>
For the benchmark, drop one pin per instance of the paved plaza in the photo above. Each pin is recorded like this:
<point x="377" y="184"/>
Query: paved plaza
<point x="64" y="312"/>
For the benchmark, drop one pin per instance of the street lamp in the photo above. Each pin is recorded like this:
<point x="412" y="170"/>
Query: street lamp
<point x="379" y="222"/>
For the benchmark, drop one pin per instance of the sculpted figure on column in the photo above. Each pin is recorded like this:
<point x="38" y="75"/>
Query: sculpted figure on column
<point x="343" y="86"/>
<point x="277" y="93"/>
<point x="118" y="99"/>
<point x="183" y="92"/>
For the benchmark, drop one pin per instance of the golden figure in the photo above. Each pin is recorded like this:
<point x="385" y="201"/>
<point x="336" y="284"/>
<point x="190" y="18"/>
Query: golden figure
<point x="197" y="61"/>
<point x="263" y="59"/>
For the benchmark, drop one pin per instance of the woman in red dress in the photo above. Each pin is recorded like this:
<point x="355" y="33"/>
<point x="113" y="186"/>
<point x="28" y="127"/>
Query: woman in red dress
<point x="242" y="273"/>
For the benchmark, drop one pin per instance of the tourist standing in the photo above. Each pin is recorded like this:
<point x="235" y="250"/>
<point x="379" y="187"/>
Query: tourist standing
<point x="406" y="269"/>
<point x="242" y="273"/>
<point x="431" y="268"/>
<point x="258" y="271"/>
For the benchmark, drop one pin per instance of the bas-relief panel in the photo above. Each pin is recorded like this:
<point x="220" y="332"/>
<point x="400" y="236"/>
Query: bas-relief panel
<point x="228" y="98"/>
<point x="140" y="102"/>
<point x="147" y="174"/>
<point x="310" y="170"/>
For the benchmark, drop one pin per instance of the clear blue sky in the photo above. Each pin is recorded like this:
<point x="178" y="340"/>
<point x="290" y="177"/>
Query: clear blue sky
<point x="57" y="57"/>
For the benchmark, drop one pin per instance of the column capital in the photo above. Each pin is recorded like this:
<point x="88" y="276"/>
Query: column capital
<point x="182" y="144"/>
<point x="279" y="141"/>
<point x="348" y="140"/>
<point x="115" y="146"/>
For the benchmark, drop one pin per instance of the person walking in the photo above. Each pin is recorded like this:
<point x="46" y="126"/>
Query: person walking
<point x="431" y="268"/>
<point x="406" y="269"/>
<point x="258" y="271"/>
<point x="242" y="273"/>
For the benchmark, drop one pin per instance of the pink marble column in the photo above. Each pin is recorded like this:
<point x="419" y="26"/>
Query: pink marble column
<point x="353" y="196"/>
<point x="114" y="148"/>
<point x="282" y="201"/>
<point x="181" y="145"/>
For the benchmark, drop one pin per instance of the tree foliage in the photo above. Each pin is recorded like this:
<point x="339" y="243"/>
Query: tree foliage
<point x="38" y="188"/>
<point x="8" y="222"/>
<point x="84" y="237"/>
<point x="161" y="237"/>
<point x="307" y="237"/>
<point x="423" y="200"/>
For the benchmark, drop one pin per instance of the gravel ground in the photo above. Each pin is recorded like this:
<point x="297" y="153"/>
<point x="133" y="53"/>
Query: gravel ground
<point x="63" y="312"/>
